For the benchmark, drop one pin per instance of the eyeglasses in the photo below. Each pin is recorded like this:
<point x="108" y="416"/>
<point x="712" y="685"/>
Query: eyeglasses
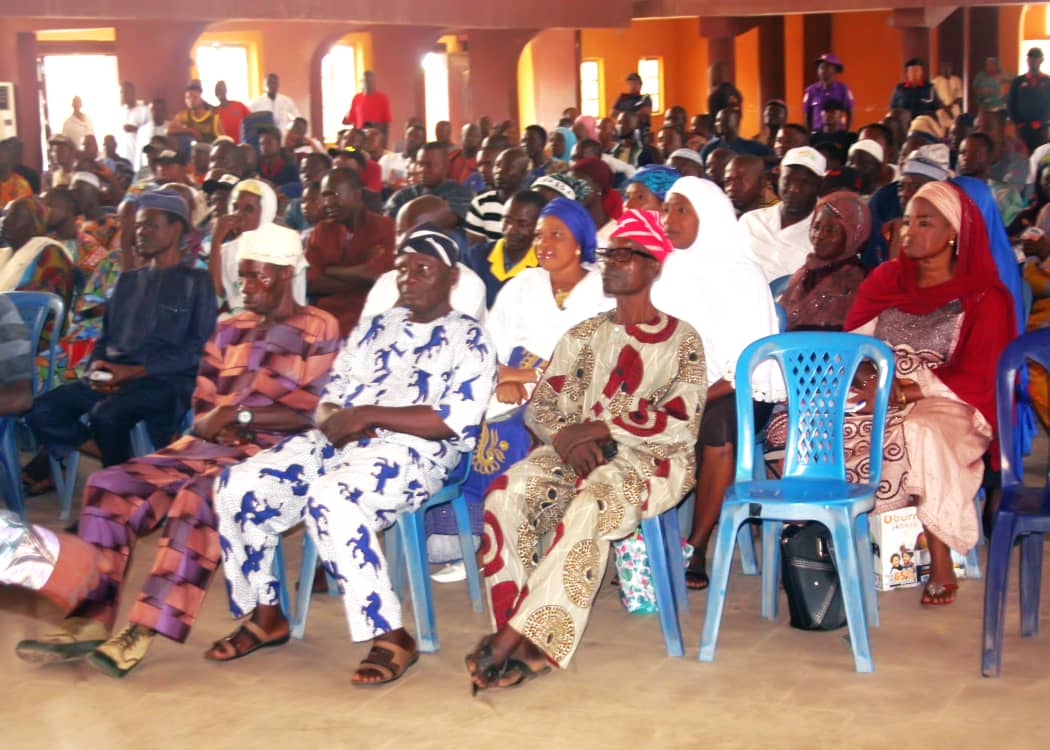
<point x="621" y="254"/>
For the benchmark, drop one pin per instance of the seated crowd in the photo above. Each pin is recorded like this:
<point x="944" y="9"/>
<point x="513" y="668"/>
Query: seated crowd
<point x="564" y="310"/>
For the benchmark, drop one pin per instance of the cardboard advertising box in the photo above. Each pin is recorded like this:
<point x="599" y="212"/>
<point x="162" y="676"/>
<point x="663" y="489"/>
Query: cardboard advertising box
<point x="902" y="558"/>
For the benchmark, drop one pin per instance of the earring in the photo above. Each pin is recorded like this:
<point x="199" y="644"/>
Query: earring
<point x="953" y="243"/>
<point x="577" y="252"/>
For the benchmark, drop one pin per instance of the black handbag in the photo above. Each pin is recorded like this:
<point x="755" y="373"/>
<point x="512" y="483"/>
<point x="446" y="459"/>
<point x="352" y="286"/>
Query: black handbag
<point x="810" y="579"/>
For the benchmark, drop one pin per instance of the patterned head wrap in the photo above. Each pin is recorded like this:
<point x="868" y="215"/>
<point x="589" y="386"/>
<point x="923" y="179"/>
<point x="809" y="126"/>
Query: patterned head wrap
<point x="564" y="184"/>
<point x="597" y="170"/>
<point x="853" y="213"/>
<point x="945" y="199"/>
<point x="644" y="227"/>
<point x="657" y="177"/>
<point x="579" y="222"/>
<point x="427" y="239"/>
<point x="35" y="208"/>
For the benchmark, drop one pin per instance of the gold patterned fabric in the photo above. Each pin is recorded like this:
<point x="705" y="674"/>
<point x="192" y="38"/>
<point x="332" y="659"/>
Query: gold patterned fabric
<point x="648" y="384"/>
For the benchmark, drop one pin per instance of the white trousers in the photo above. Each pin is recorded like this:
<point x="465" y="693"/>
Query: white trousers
<point x="345" y="496"/>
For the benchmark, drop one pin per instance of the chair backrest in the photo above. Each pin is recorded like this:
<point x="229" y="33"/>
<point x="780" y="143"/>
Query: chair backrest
<point x="461" y="473"/>
<point x="778" y="285"/>
<point x="782" y="316"/>
<point x="35" y="308"/>
<point x="818" y="370"/>
<point x="1028" y="346"/>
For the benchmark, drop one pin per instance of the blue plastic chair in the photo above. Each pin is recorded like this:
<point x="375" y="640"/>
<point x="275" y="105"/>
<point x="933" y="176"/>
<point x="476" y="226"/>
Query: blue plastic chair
<point x="818" y="371"/>
<point x="663" y="540"/>
<point x="1024" y="512"/>
<point x="778" y="285"/>
<point x="35" y="309"/>
<point x="12" y="470"/>
<point x="406" y="547"/>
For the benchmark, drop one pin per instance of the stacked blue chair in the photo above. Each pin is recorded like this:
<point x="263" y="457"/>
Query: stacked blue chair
<point x="35" y="309"/>
<point x="1024" y="512"/>
<point x="818" y="370"/>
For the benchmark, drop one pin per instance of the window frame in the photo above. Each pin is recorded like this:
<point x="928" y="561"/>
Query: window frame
<point x="599" y="82"/>
<point x="327" y="82"/>
<point x="238" y="93"/>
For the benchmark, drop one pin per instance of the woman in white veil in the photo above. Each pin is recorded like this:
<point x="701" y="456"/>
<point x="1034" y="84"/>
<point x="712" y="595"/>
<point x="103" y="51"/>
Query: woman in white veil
<point x="710" y="283"/>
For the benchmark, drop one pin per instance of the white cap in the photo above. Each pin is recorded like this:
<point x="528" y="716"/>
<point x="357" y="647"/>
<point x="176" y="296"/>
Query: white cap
<point x="868" y="146"/>
<point x="271" y="243"/>
<point x="88" y="177"/>
<point x="808" y="157"/>
<point x="687" y="153"/>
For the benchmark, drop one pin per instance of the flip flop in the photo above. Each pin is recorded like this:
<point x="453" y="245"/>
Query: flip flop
<point x="258" y="639"/>
<point x="484" y="664"/>
<point x="936" y="594"/>
<point x="696" y="574"/>
<point x="524" y="671"/>
<point x="390" y="660"/>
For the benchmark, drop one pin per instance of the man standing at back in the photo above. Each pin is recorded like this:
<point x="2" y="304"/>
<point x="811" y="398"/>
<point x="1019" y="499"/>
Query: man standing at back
<point x="432" y="160"/>
<point x="230" y="113"/>
<point x="369" y="108"/>
<point x="348" y="251"/>
<point x="283" y="108"/>
<point x="915" y="93"/>
<point x="1029" y="102"/>
<point x="135" y="115"/>
<point x="827" y="87"/>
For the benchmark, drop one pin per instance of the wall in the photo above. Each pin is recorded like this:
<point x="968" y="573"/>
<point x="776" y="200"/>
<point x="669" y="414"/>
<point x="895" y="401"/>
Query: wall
<point x="1010" y="19"/>
<point x="869" y="48"/>
<point x="677" y="41"/>
<point x="551" y="58"/>
<point x="798" y="71"/>
<point x="746" y="80"/>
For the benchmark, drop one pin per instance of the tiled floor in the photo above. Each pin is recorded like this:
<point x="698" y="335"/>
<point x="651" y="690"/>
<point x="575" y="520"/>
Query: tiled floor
<point x="770" y="687"/>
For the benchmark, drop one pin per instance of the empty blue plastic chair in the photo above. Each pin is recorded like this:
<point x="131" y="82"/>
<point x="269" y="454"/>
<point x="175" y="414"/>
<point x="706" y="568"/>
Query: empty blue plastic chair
<point x="406" y="547"/>
<point x="1024" y="512"/>
<point x="818" y="370"/>
<point x="35" y="309"/>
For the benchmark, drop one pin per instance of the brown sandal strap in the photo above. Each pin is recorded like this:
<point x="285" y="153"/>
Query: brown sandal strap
<point x="388" y="660"/>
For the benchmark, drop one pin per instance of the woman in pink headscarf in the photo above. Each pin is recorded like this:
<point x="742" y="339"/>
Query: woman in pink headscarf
<point x="941" y="307"/>
<point x="585" y="127"/>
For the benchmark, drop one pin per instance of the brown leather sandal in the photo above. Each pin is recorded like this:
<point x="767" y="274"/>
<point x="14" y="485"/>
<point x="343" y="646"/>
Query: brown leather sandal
<point x="225" y="649"/>
<point x="387" y="659"/>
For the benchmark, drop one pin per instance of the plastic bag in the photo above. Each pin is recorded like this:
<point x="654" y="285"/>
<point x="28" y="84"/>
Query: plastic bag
<point x="631" y="559"/>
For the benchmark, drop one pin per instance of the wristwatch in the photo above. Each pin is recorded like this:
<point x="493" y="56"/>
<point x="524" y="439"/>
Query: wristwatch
<point x="244" y="416"/>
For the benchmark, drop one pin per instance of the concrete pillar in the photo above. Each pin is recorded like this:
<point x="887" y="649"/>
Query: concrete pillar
<point x="397" y="57"/>
<point x="771" y="58"/>
<point x="721" y="33"/>
<point x="915" y="25"/>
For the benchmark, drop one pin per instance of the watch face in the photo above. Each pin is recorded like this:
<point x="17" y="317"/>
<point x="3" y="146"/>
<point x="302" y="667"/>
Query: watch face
<point x="244" y="416"/>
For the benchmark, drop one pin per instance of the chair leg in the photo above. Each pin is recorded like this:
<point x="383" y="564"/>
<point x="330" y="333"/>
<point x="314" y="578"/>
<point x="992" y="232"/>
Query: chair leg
<point x="65" y="475"/>
<point x="657" y="548"/>
<point x="1000" y="546"/>
<point x="12" y="470"/>
<point x="972" y="564"/>
<point x="721" y="562"/>
<point x="413" y="542"/>
<point x="395" y="560"/>
<point x="282" y="579"/>
<point x="862" y="539"/>
<point x="745" y="540"/>
<point x="1030" y="580"/>
<point x="847" y="563"/>
<point x="466" y="547"/>
<point x="673" y="538"/>
<point x="770" y="568"/>
<point x="306" y="587"/>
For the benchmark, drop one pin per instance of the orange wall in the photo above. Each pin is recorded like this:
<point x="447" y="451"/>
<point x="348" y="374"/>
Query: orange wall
<point x="1010" y="19"/>
<point x="677" y="41"/>
<point x="870" y="51"/>
<point x="746" y="78"/>
<point x="797" y="72"/>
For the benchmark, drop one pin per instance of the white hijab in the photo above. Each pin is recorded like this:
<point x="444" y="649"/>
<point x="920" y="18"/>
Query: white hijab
<point x="267" y="198"/>
<point x="714" y="287"/>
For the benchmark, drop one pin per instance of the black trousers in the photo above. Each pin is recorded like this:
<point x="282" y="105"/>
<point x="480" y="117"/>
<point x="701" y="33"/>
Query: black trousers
<point x="56" y="416"/>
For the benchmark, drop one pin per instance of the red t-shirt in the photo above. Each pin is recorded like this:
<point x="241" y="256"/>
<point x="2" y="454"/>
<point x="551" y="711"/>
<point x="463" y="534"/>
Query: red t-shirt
<point x="364" y="108"/>
<point x="332" y="244"/>
<point x="230" y="115"/>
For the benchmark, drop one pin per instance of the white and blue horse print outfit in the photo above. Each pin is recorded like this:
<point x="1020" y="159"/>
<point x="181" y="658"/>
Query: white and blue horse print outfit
<point x="348" y="495"/>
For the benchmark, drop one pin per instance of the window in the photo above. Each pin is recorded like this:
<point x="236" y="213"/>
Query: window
<point x="223" y="62"/>
<point x="338" y="86"/>
<point x="651" y="71"/>
<point x="591" y="88"/>
<point x="435" y="88"/>
<point x="92" y="78"/>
